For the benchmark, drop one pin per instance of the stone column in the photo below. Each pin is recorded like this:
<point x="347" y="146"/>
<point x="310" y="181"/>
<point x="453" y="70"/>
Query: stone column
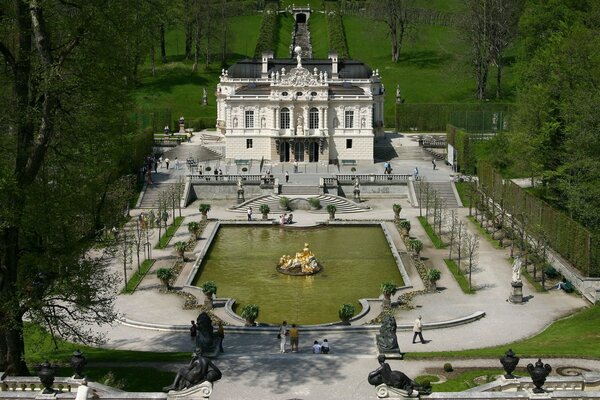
<point x="326" y="121"/>
<point x="292" y="120"/>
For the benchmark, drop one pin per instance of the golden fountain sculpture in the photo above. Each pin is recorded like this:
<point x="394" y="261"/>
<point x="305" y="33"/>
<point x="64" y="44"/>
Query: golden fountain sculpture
<point x="304" y="263"/>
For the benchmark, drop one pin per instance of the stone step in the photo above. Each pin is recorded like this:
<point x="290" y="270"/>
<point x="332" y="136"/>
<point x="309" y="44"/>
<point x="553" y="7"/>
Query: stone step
<point x="300" y="189"/>
<point x="342" y="204"/>
<point x="152" y="194"/>
<point x="445" y="190"/>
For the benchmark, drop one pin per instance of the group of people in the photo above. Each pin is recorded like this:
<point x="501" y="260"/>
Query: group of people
<point x="292" y="332"/>
<point x="387" y="168"/>
<point x="286" y="219"/>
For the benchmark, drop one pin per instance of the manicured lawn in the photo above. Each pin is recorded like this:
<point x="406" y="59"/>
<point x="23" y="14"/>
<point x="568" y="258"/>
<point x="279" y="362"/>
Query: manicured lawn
<point x="164" y="240"/>
<point x="284" y="35"/>
<point x="466" y="380"/>
<point x="575" y="336"/>
<point x="130" y="379"/>
<point x="435" y="239"/>
<point x="138" y="276"/>
<point x="317" y="23"/>
<point x="461" y="279"/>
<point x="464" y="192"/>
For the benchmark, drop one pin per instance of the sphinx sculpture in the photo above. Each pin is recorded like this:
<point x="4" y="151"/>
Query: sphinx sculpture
<point x="200" y="371"/>
<point x="387" y="342"/>
<point x="391" y="383"/>
<point x="303" y="263"/>
<point x="207" y="342"/>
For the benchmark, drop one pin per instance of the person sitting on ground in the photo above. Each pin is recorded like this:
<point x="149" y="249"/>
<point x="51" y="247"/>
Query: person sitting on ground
<point x="289" y="218"/>
<point x="316" y="347"/>
<point x="562" y="284"/>
<point x="282" y="219"/>
<point x="325" y="347"/>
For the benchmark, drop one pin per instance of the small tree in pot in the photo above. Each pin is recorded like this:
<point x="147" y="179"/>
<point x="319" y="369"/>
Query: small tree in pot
<point x="264" y="210"/>
<point x="194" y="229"/>
<point x="250" y="313"/>
<point x="180" y="249"/>
<point x="346" y="312"/>
<point x="165" y="275"/>
<point x="204" y="209"/>
<point x="315" y="203"/>
<point x="209" y="288"/>
<point x="434" y="275"/>
<point x="397" y="208"/>
<point x="416" y="245"/>
<point x="331" y="209"/>
<point x="388" y="288"/>
<point x="404" y="227"/>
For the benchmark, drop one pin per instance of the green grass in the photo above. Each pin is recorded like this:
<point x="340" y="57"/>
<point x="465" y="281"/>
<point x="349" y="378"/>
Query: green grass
<point x="164" y="240"/>
<point x="574" y="336"/>
<point x="466" y="380"/>
<point x="138" y="276"/>
<point x="460" y="278"/>
<point x="318" y="35"/>
<point x="435" y="239"/>
<point x="495" y="243"/>
<point x="537" y="285"/>
<point x="464" y="190"/>
<point x="284" y="35"/>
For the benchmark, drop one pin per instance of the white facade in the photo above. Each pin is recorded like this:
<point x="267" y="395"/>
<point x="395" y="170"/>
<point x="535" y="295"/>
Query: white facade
<point x="282" y="110"/>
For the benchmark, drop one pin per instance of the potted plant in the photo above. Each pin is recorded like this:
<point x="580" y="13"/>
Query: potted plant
<point x="204" y="209"/>
<point x="388" y="288"/>
<point x="416" y="245"/>
<point x="250" y="313"/>
<point x="404" y="227"/>
<point x="165" y="275"/>
<point x="209" y="288"/>
<point x="346" y="312"/>
<point x="194" y="229"/>
<point x="331" y="209"/>
<point x="284" y="203"/>
<point x="180" y="249"/>
<point x="433" y="274"/>
<point x="315" y="203"/>
<point x="264" y="210"/>
<point x="397" y="208"/>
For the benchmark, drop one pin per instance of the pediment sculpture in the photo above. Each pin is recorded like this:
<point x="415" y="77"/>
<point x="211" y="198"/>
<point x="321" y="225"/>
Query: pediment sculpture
<point x="299" y="77"/>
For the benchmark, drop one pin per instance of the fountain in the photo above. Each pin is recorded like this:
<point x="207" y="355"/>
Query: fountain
<point x="304" y="263"/>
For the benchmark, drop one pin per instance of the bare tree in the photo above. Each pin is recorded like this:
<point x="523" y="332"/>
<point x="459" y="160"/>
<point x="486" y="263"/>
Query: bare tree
<point x="460" y="234"/>
<point x="394" y="14"/>
<point x="471" y="247"/>
<point x="125" y="243"/>
<point x="453" y="227"/>
<point x="475" y="27"/>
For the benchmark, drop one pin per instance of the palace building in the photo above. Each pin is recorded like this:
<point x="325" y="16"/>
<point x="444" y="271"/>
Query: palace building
<point x="303" y="110"/>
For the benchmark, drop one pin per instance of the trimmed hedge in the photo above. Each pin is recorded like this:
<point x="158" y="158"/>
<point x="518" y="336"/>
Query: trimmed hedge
<point x="268" y="30"/>
<point x="335" y="30"/>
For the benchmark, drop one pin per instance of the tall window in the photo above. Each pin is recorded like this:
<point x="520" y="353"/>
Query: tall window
<point x="249" y="119"/>
<point x="349" y="119"/>
<point x="248" y="143"/>
<point x="348" y="143"/>
<point x="284" y="118"/>
<point x="313" y="118"/>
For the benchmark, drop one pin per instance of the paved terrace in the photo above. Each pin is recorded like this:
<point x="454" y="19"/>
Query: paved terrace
<point x="253" y="368"/>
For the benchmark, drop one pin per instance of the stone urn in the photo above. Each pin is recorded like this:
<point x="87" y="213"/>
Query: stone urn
<point x="46" y="372"/>
<point x="78" y="363"/>
<point x="509" y="363"/>
<point x="538" y="373"/>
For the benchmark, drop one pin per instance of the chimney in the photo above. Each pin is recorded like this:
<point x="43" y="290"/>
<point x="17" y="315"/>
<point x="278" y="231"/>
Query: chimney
<point x="334" y="64"/>
<point x="266" y="56"/>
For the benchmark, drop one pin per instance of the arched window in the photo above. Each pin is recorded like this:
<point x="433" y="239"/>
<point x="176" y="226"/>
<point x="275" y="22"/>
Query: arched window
<point x="284" y="118"/>
<point x="313" y="118"/>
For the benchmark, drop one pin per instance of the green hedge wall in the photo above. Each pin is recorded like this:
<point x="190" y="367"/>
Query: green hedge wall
<point x="268" y="30"/>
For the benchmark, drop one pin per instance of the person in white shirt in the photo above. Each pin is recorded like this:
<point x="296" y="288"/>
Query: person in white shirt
<point x="316" y="348"/>
<point x="325" y="347"/>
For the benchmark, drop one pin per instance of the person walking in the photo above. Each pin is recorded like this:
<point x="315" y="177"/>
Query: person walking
<point x="287" y="177"/>
<point x="283" y="332"/>
<point x="193" y="333"/>
<point x="176" y="163"/>
<point x="167" y="161"/>
<point x="294" y="338"/>
<point x="418" y="331"/>
<point x="316" y="347"/>
<point x="434" y="164"/>
<point x="325" y="347"/>
<point x="249" y="212"/>
<point x="221" y="334"/>
<point x="295" y="167"/>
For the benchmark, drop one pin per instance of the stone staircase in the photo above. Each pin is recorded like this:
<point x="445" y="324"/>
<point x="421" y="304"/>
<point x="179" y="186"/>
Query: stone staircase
<point x="152" y="194"/>
<point x="202" y="152"/>
<point x="342" y="204"/>
<point x="412" y="153"/>
<point x="302" y="39"/>
<point x="312" y="190"/>
<point x="446" y="191"/>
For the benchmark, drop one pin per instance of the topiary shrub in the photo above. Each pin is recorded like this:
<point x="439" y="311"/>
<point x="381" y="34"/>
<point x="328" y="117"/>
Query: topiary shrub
<point x="448" y="367"/>
<point x="346" y="312"/>
<point x="314" y="203"/>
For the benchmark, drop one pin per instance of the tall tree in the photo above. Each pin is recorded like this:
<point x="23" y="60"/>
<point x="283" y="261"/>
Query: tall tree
<point x="395" y="15"/>
<point x="68" y="73"/>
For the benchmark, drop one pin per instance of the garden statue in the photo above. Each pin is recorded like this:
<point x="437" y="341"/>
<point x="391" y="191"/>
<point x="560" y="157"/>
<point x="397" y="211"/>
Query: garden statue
<point x="300" y="126"/>
<point x="298" y="51"/>
<point x="390" y="382"/>
<point x="356" y="189"/>
<point x="240" y="190"/>
<point x="303" y="263"/>
<point x="387" y="341"/>
<point x="516" y="270"/>
<point x="204" y="97"/>
<point x="207" y="342"/>
<point x="200" y="370"/>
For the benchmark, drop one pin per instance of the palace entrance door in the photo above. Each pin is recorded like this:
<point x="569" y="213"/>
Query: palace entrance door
<point x="299" y="151"/>
<point x="313" y="152"/>
<point x="284" y="152"/>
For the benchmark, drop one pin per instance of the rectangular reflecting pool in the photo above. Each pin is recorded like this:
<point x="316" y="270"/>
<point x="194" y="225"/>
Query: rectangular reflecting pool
<point x="242" y="260"/>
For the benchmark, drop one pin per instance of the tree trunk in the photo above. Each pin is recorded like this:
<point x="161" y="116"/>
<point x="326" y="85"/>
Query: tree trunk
<point x="163" y="47"/>
<point x="498" y="80"/>
<point x="152" y="63"/>
<point x="188" y="40"/>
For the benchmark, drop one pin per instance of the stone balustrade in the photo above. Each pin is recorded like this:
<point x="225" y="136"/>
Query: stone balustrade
<point x="366" y="178"/>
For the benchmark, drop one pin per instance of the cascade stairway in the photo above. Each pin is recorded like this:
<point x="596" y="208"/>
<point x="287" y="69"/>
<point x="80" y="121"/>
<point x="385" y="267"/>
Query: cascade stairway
<point x="342" y="204"/>
<point x="446" y="192"/>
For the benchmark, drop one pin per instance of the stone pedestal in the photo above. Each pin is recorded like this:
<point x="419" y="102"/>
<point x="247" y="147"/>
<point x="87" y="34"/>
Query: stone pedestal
<point x="181" y="128"/>
<point x="200" y="391"/>
<point x="516" y="295"/>
<point x="387" y="392"/>
<point x="240" y="197"/>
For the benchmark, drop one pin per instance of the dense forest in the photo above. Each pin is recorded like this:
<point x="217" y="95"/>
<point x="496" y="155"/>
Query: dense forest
<point x="75" y="74"/>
